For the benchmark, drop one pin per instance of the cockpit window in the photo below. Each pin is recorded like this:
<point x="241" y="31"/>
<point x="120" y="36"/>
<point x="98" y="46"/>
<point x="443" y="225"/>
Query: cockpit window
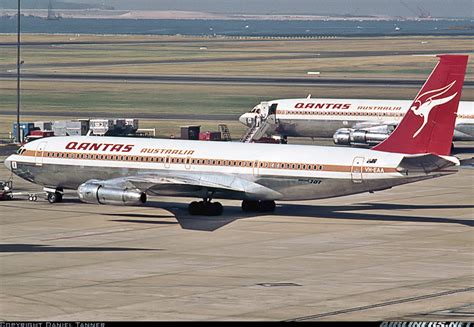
<point x="20" y="150"/>
<point x="255" y="109"/>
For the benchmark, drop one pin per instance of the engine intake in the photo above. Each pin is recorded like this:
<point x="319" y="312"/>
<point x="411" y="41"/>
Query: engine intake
<point x="346" y="136"/>
<point x="95" y="192"/>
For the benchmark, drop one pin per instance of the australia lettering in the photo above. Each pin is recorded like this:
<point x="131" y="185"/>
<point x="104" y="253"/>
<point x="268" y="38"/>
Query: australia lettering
<point x="167" y="151"/>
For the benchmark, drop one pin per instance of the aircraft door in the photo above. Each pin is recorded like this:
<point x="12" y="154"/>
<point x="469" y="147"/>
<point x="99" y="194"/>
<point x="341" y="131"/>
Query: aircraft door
<point x="356" y="170"/>
<point x="39" y="153"/>
<point x="273" y="109"/>
<point x="187" y="163"/>
<point x="256" y="165"/>
<point x="264" y="107"/>
<point x="168" y="162"/>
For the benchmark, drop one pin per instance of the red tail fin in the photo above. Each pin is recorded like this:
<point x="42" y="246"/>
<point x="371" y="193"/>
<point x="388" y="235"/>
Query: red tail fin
<point x="428" y="125"/>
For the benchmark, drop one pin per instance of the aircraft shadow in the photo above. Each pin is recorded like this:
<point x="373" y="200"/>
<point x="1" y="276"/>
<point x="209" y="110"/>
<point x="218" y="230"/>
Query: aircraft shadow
<point x="179" y="211"/>
<point x="32" y="248"/>
<point x="349" y="212"/>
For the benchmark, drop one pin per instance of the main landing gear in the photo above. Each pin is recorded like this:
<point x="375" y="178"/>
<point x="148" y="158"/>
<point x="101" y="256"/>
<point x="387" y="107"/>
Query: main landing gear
<point x="54" y="196"/>
<point x="208" y="208"/>
<point x="258" y="206"/>
<point x="205" y="208"/>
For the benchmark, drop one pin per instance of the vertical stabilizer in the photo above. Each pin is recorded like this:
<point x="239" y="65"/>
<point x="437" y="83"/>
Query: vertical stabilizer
<point x="428" y="126"/>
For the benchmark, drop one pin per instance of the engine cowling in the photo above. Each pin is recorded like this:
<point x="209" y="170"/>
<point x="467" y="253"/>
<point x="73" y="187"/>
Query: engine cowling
<point x="94" y="192"/>
<point x="346" y="136"/>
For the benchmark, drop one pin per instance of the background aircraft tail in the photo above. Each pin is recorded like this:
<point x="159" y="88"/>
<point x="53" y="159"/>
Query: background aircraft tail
<point x="428" y="126"/>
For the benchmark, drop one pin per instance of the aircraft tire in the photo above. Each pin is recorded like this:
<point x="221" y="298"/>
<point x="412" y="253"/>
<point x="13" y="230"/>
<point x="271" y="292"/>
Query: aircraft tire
<point x="202" y="208"/>
<point x="250" y="206"/>
<point x="53" y="197"/>
<point x="267" y="206"/>
<point x="214" y="209"/>
<point x="195" y="208"/>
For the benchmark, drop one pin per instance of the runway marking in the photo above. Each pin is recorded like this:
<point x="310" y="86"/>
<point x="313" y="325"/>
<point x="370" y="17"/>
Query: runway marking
<point x="382" y="304"/>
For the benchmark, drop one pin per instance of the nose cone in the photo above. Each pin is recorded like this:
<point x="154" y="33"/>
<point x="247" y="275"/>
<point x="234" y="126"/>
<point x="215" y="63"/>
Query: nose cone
<point x="8" y="163"/>
<point x="243" y="119"/>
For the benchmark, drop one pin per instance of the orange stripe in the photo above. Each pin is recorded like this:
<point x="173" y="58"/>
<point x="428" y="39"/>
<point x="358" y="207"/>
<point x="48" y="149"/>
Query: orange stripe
<point x="210" y="162"/>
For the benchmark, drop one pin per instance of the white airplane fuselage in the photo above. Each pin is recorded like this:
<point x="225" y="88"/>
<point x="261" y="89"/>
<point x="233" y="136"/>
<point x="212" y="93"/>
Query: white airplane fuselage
<point x="321" y="117"/>
<point x="272" y="172"/>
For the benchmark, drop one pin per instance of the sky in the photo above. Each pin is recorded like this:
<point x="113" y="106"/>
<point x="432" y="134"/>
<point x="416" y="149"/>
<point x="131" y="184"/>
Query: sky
<point x="439" y="8"/>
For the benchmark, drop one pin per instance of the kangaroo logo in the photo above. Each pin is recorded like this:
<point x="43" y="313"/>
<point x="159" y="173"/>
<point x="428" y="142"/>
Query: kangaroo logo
<point x="423" y="104"/>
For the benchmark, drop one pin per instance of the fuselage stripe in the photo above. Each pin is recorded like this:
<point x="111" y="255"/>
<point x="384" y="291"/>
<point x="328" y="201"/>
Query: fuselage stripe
<point x="191" y="161"/>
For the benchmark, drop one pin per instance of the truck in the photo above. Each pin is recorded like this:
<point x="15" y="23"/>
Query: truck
<point x="210" y="136"/>
<point x="38" y="134"/>
<point x="6" y="190"/>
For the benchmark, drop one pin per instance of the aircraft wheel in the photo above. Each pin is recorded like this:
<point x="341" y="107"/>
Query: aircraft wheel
<point x="214" y="209"/>
<point x="267" y="206"/>
<point x="195" y="208"/>
<point x="54" y="197"/>
<point x="202" y="208"/>
<point x="250" y="206"/>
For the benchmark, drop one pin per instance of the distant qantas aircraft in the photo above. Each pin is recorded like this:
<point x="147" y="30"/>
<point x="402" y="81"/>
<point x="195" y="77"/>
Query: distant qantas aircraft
<point x="348" y="121"/>
<point x="114" y="170"/>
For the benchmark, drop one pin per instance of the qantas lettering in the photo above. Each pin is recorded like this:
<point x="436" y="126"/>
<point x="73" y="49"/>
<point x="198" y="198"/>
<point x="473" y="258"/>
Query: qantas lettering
<point x="302" y="105"/>
<point x="100" y="147"/>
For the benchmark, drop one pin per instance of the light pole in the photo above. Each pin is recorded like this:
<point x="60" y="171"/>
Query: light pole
<point x="18" y="77"/>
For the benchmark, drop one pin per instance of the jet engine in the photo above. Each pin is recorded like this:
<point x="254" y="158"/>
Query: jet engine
<point x="367" y="136"/>
<point x="96" y="192"/>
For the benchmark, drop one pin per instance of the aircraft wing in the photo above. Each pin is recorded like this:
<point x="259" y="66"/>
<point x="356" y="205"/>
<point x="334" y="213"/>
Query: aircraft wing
<point x="426" y="163"/>
<point x="195" y="184"/>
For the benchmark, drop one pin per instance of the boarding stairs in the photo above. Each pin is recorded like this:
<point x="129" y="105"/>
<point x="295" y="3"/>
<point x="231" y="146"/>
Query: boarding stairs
<point x="254" y="133"/>
<point x="225" y="132"/>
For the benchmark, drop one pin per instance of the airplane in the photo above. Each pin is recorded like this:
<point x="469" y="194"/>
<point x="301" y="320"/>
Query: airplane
<point x="124" y="171"/>
<point x="359" y="122"/>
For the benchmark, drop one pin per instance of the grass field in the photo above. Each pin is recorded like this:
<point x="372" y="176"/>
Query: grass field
<point x="282" y="57"/>
<point x="342" y="58"/>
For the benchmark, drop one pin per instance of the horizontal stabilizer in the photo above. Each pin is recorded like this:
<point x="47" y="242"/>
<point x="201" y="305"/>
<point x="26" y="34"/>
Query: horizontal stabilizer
<point x="426" y="163"/>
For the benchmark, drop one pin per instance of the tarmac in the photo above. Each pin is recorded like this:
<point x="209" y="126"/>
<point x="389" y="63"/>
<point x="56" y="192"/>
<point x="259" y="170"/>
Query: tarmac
<point x="400" y="254"/>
